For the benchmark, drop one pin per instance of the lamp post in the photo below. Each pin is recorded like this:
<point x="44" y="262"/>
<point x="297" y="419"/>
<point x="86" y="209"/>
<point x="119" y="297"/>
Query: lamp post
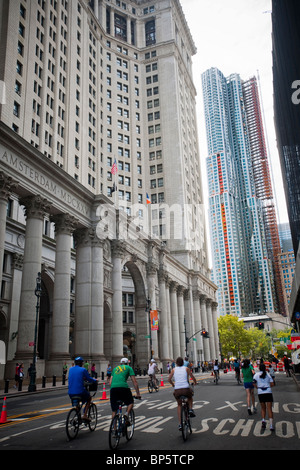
<point x="38" y="293"/>
<point x="148" y="309"/>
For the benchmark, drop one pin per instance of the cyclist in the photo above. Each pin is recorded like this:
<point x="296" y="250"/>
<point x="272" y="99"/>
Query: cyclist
<point x="78" y="375"/>
<point x="119" y="388"/>
<point x="216" y="368"/>
<point x="152" y="369"/>
<point x="181" y="375"/>
<point x="237" y="370"/>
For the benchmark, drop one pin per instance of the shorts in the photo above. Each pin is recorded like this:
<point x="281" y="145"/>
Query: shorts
<point x="85" y="396"/>
<point x="248" y="385"/>
<point x="118" y="394"/>
<point x="265" y="397"/>
<point x="187" y="392"/>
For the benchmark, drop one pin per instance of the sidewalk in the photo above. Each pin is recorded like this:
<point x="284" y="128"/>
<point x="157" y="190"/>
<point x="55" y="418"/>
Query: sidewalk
<point x="14" y="392"/>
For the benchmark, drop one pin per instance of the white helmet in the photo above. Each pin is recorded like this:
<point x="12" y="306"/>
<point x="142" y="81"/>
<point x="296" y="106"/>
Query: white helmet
<point x="124" y="360"/>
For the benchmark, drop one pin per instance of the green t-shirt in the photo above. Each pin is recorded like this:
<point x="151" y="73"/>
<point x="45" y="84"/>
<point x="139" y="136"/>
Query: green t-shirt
<point x="120" y="376"/>
<point x="247" y="373"/>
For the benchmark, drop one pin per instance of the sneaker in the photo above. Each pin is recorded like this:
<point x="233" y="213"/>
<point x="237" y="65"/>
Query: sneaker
<point x="272" y="428"/>
<point x="263" y="425"/>
<point x="179" y="427"/>
<point x="254" y="410"/>
<point x="249" y="411"/>
<point x="191" y="413"/>
<point x="126" y="419"/>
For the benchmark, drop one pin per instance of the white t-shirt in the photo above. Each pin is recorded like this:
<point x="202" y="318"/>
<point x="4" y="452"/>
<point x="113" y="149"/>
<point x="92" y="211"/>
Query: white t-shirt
<point x="263" y="385"/>
<point x="151" y="368"/>
<point x="181" y="377"/>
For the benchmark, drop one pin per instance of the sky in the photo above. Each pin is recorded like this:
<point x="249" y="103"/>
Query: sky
<point x="235" y="36"/>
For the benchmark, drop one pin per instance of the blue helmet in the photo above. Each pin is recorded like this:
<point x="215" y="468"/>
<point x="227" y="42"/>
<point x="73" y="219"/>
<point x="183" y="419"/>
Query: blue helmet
<point x="79" y="360"/>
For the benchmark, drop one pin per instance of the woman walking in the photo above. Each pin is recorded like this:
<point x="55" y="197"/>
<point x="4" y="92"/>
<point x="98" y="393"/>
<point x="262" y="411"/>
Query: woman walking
<point x="248" y="372"/>
<point x="264" y="383"/>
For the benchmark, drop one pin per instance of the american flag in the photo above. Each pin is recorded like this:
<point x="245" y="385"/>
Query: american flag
<point x="114" y="168"/>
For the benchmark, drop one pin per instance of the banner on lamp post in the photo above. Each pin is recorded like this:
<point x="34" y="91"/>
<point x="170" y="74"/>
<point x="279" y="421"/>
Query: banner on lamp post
<point x="154" y="319"/>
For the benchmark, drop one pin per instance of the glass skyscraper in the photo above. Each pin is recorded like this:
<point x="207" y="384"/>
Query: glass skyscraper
<point x="242" y="269"/>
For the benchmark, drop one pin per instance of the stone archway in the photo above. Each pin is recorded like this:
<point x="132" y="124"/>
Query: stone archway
<point x="140" y="328"/>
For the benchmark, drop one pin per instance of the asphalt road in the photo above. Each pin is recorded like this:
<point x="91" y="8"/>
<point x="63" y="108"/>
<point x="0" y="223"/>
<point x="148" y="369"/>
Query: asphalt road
<point x="37" y="422"/>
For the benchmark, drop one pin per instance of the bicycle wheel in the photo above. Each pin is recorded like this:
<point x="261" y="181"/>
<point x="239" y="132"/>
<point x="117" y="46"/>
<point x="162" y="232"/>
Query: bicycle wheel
<point x="130" y="427"/>
<point x="114" y="433"/>
<point x="150" y="386"/>
<point x="72" y="424"/>
<point x="93" y="417"/>
<point x="184" y="421"/>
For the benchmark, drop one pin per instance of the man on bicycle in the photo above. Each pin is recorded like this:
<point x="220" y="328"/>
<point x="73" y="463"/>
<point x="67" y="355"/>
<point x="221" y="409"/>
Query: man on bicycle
<point x="216" y="369"/>
<point x="119" y="388"/>
<point x="237" y="369"/>
<point x="78" y="375"/>
<point x="181" y="385"/>
<point x="152" y="368"/>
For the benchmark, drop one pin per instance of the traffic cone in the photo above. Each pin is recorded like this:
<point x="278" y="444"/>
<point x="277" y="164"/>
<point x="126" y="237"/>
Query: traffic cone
<point x="103" y="393"/>
<point x="3" y="418"/>
<point x="161" y="381"/>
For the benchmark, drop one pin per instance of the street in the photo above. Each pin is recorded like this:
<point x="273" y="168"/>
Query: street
<point x="37" y="422"/>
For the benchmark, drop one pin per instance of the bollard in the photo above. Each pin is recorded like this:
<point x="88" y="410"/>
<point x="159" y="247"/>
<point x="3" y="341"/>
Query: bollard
<point x="102" y="375"/>
<point x="54" y="381"/>
<point x="6" y="386"/>
<point x="20" y="385"/>
<point x="43" y="381"/>
<point x="63" y="379"/>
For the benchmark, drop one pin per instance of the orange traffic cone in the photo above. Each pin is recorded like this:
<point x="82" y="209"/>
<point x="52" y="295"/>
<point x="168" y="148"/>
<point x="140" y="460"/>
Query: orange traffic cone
<point x="3" y="418"/>
<point x="161" y="381"/>
<point x="103" y="393"/>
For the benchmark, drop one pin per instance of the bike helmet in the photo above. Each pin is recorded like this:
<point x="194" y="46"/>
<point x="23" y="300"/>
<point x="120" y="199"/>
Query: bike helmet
<point x="79" y="360"/>
<point x="124" y="360"/>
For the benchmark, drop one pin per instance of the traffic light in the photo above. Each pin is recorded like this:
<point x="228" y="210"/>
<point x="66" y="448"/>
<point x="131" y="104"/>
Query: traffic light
<point x="204" y="333"/>
<point x="261" y="326"/>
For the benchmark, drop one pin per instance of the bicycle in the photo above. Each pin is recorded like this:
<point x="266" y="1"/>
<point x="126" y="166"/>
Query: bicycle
<point x="151" y="385"/>
<point x="216" y="374"/>
<point x="74" y="419"/>
<point x="120" y="426"/>
<point x="185" y="422"/>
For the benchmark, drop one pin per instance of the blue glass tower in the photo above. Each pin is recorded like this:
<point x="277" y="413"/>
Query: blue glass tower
<point x="241" y="268"/>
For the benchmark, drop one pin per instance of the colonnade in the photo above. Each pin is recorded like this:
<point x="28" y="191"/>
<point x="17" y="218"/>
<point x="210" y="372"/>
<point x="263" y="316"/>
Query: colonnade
<point x="183" y="310"/>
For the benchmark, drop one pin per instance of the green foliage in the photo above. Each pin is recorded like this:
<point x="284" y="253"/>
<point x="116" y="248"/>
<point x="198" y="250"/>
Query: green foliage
<point x="237" y="341"/>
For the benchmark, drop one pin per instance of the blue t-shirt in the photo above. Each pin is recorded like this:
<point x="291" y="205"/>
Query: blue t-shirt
<point x="77" y="376"/>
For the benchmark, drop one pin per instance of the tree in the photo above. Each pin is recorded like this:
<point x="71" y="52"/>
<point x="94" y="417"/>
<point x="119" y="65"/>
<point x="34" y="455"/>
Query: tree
<point x="233" y="337"/>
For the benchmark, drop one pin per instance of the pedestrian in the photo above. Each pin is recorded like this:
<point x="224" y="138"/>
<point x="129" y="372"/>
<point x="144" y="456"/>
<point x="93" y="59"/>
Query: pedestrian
<point x="86" y="365"/>
<point x="65" y="369"/>
<point x="286" y="362"/>
<point x="264" y="383"/>
<point x="272" y="373"/>
<point x="16" y="375"/>
<point x="93" y="371"/>
<point x="108" y="372"/>
<point x="247" y="373"/>
<point x="168" y="368"/>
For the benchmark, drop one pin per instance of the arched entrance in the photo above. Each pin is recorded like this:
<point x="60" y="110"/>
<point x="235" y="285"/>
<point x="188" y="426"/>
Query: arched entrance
<point x="136" y="341"/>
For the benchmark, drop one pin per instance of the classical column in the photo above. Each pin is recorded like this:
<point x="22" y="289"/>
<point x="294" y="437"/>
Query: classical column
<point x="65" y="225"/>
<point x="174" y="320"/>
<point x="151" y="277"/>
<point x="180" y="308"/>
<point x="17" y="267"/>
<point x="168" y="308"/>
<point x="117" y="315"/>
<point x="97" y="299"/>
<point x="82" y="336"/>
<point x="164" y="327"/>
<point x="214" y="306"/>
<point x="35" y="210"/>
<point x="204" y="324"/>
<point x="197" y="324"/>
<point x="7" y="185"/>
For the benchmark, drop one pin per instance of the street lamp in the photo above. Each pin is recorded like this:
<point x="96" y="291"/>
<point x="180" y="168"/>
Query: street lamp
<point x="38" y="293"/>
<point x="148" y="309"/>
